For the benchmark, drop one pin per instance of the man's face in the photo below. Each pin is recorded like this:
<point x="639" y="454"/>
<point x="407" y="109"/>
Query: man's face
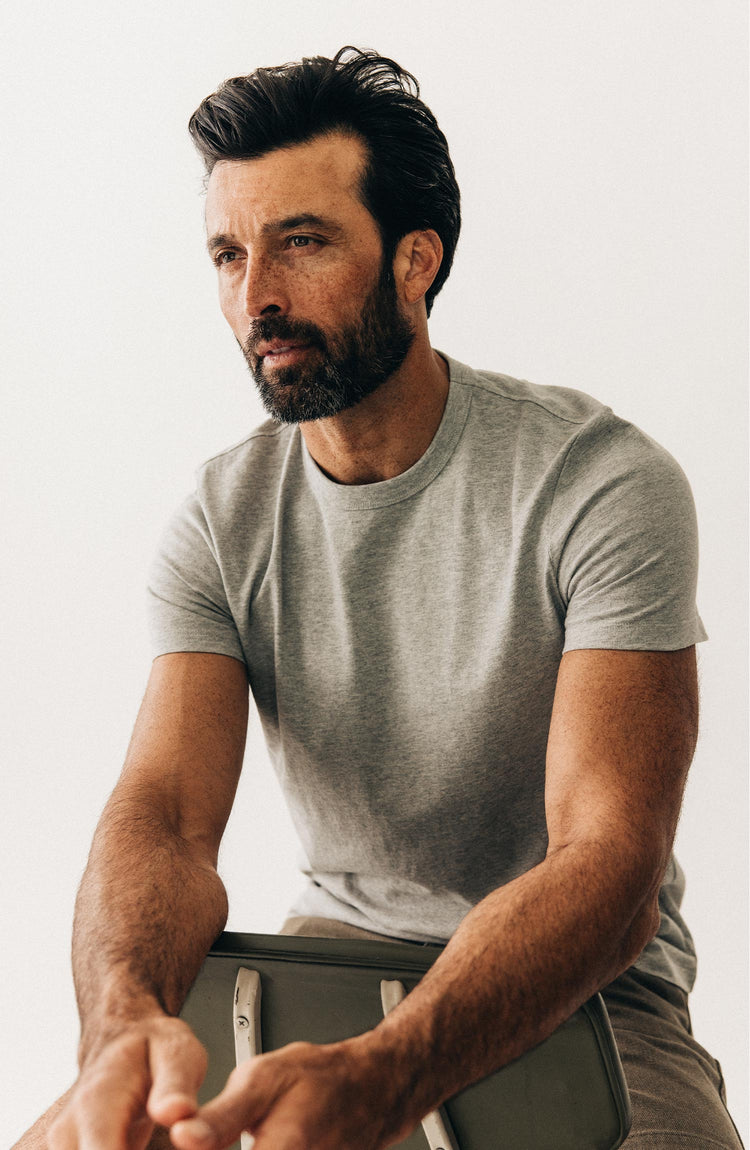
<point x="302" y="280"/>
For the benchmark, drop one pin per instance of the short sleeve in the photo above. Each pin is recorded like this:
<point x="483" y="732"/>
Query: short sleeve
<point x="186" y="598"/>
<point x="624" y="543"/>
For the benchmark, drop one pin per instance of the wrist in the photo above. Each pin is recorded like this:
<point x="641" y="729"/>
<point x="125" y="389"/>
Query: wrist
<point x="399" y="1070"/>
<point x="114" y="1015"/>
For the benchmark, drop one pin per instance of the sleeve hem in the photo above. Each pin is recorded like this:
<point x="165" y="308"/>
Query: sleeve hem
<point x="616" y="639"/>
<point x="197" y="647"/>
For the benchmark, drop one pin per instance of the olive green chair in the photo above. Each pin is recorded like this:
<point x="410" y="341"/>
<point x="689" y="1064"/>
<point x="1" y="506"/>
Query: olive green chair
<point x="256" y="993"/>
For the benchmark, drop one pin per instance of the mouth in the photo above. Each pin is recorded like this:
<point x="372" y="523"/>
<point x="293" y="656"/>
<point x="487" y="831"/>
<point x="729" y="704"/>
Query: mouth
<point x="279" y="353"/>
<point x="277" y="347"/>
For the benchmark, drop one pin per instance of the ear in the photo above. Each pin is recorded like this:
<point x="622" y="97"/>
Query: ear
<point x="417" y="262"/>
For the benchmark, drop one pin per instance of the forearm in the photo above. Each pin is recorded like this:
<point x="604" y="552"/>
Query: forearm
<point x="521" y="962"/>
<point x="149" y="906"/>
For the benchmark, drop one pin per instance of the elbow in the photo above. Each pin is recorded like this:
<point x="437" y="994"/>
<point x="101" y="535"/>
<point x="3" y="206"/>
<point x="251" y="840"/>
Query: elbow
<point x="642" y="929"/>
<point x="650" y="921"/>
<point x="645" y="873"/>
<point x="636" y="883"/>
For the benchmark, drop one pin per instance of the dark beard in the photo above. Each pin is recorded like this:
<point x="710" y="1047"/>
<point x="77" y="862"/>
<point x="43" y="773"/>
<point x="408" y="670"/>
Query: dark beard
<point x="346" y="366"/>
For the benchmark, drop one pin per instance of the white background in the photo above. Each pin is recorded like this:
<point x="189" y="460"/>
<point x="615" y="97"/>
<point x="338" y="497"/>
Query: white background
<point x="600" y="148"/>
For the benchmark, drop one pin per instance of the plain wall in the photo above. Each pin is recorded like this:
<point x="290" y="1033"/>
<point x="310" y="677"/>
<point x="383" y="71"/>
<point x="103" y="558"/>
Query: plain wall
<point x="600" y="148"/>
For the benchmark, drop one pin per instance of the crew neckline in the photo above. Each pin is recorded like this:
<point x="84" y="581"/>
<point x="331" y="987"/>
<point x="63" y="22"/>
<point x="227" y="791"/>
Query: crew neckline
<point x="366" y="496"/>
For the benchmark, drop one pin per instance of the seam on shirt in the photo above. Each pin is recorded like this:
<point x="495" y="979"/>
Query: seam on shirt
<point x="525" y="399"/>
<point x="195" y="591"/>
<point x="556" y="567"/>
<point x="256" y="433"/>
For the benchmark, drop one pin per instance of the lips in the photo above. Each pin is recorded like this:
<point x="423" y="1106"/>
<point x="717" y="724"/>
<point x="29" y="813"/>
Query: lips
<point x="276" y="346"/>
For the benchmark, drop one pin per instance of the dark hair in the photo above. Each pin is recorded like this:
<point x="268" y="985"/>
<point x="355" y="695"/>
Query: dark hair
<point x="408" y="183"/>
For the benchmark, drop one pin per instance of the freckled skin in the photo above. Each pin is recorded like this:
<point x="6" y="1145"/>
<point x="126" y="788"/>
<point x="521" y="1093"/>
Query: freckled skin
<point x="621" y="738"/>
<point x="321" y="179"/>
<point x="324" y="284"/>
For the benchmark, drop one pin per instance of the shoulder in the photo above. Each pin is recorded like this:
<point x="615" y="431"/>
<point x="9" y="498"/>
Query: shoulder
<point x="582" y="434"/>
<point x="493" y="391"/>
<point x="255" y="453"/>
<point x="235" y="491"/>
<point x="610" y="452"/>
<point x="243" y="479"/>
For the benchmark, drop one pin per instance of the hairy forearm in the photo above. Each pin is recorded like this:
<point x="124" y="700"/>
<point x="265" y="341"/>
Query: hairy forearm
<point x="149" y="906"/>
<point x="521" y="962"/>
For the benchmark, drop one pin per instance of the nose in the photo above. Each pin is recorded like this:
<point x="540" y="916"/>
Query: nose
<point x="263" y="288"/>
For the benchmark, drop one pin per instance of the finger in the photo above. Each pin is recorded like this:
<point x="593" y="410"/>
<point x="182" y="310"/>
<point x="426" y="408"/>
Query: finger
<point x="178" y="1063"/>
<point x="139" y="1133"/>
<point x="102" y="1116"/>
<point x="249" y="1094"/>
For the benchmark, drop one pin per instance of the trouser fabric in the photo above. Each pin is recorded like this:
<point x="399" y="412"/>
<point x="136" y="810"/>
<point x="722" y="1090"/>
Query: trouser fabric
<point x="676" y="1087"/>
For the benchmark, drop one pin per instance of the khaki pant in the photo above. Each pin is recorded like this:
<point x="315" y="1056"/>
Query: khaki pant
<point x="676" y="1087"/>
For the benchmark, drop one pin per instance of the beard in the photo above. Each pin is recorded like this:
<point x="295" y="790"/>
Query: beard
<point x="346" y="366"/>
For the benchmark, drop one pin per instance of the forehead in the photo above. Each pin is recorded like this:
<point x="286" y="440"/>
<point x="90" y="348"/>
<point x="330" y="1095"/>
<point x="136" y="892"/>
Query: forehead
<point x="317" y="178"/>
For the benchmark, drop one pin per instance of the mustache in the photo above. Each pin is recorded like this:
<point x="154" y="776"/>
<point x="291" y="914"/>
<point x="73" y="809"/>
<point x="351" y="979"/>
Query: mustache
<point x="281" y="327"/>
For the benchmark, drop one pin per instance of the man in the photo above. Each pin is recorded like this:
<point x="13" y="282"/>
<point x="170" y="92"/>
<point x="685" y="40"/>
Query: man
<point x="465" y="607"/>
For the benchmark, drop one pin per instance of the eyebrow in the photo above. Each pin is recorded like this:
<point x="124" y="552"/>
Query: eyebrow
<point x="305" y="219"/>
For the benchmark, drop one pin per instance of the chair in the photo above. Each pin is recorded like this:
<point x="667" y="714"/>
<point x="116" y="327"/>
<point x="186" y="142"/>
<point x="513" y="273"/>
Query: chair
<point x="256" y="993"/>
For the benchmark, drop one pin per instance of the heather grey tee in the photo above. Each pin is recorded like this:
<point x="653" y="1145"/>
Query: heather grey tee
<point x="402" y="639"/>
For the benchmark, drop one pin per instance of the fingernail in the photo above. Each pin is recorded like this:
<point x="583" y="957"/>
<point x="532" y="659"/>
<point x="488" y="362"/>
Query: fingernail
<point x="198" y="1129"/>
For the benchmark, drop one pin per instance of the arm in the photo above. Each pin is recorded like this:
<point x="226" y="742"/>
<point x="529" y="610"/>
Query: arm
<point x="621" y="739"/>
<point x="622" y="735"/>
<point x="151" y="903"/>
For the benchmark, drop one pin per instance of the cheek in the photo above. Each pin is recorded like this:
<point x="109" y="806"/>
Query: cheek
<point x="336" y="294"/>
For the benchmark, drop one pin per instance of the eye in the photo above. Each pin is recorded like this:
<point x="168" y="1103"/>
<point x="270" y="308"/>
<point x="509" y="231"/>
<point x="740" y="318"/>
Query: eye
<point x="225" y="257"/>
<point x="302" y="241"/>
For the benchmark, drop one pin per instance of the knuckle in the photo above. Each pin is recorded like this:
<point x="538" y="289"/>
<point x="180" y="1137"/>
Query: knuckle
<point x="175" y="1032"/>
<point x="299" y="1053"/>
<point x="174" y="1026"/>
<point x="191" y="1045"/>
<point x="247" y="1072"/>
<point x="198" y="1055"/>
<point x="179" y="1045"/>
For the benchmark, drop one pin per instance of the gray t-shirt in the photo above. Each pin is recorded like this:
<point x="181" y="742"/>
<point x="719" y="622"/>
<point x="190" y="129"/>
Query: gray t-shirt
<point x="402" y="638"/>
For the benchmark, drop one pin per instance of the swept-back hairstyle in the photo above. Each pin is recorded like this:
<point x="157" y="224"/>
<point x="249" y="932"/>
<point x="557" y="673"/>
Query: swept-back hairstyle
<point x="408" y="183"/>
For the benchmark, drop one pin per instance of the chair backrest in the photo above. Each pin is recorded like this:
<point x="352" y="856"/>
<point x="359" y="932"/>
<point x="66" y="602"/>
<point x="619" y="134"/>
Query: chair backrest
<point x="568" y="1093"/>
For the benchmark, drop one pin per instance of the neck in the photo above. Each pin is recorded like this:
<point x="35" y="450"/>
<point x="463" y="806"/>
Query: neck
<point x="388" y="431"/>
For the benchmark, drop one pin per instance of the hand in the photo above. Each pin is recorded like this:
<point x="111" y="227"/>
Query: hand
<point x="305" y="1097"/>
<point x="147" y="1074"/>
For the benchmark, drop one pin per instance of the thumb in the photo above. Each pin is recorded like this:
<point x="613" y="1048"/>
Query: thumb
<point x="178" y="1065"/>
<point x="251" y="1090"/>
